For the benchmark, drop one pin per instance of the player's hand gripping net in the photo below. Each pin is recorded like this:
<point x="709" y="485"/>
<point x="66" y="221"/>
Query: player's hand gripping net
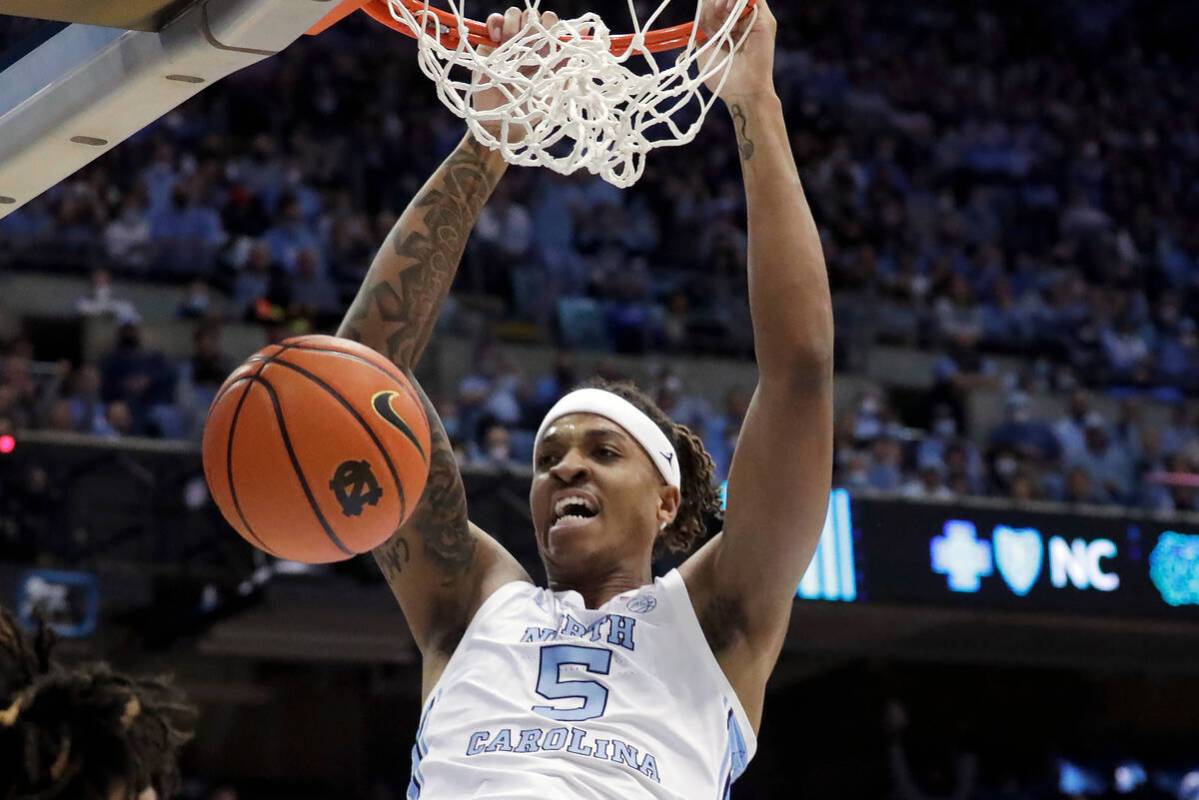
<point x="563" y="96"/>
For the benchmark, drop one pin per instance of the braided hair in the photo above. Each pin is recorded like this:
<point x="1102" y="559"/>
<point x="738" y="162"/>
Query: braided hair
<point x="700" y="496"/>
<point x="85" y="731"/>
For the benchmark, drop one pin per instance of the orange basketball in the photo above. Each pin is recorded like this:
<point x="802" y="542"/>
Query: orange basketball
<point x="316" y="449"/>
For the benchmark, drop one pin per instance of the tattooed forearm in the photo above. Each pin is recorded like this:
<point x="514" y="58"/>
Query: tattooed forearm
<point x="397" y="306"/>
<point x="438" y="527"/>
<point x="744" y="143"/>
<point x="393" y="557"/>
<point x="441" y="520"/>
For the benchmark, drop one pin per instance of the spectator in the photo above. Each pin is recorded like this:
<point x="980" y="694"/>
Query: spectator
<point x="139" y="378"/>
<point x="682" y="407"/>
<point x="942" y="431"/>
<point x="1030" y="438"/>
<point x="1151" y="460"/>
<point x="312" y="294"/>
<point x="160" y="176"/>
<point x="1177" y="357"/>
<point x="208" y="367"/>
<point x="127" y="236"/>
<point x="101" y="302"/>
<point x="255" y="292"/>
<point x="869" y="418"/>
<point x="186" y="233"/>
<point x="960" y="371"/>
<point x="929" y="484"/>
<point x="504" y="229"/>
<point x="853" y="469"/>
<point x="1023" y="487"/>
<point x="119" y="421"/>
<point x="473" y="394"/>
<point x="1069" y="430"/>
<point x="722" y="429"/>
<point x="503" y="381"/>
<point x="1176" y="496"/>
<point x="59" y="417"/>
<point x="1127" y="432"/>
<point x="959" y="316"/>
<point x="290" y="236"/>
<point x="1080" y="488"/>
<point x="1004" y="463"/>
<point x="20" y="400"/>
<point x="1126" y="352"/>
<point x="963" y="468"/>
<point x="885" y="473"/>
<point x="1106" y="464"/>
<point x="198" y="302"/>
<point x="494" y="450"/>
<point x="87" y="406"/>
<point x="562" y="377"/>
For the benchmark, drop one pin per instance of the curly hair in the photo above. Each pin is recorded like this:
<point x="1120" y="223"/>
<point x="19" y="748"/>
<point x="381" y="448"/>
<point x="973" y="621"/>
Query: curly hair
<point x="700" y="496"/>
<point x="82" y="732"/>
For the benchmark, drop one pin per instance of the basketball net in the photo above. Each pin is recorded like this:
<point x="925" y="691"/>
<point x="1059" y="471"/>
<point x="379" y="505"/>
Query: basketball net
<point x="569" y="99"/>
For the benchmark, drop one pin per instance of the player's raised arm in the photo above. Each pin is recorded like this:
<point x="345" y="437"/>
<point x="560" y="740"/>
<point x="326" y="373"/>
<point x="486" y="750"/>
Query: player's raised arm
<point x="397" y="306"/>
<point x="744" y="581"/>
<point x="437" y="563"/>
<point x="439" y="566"/>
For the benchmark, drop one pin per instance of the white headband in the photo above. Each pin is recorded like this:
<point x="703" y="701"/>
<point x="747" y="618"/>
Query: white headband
<point x="613" y="407"/>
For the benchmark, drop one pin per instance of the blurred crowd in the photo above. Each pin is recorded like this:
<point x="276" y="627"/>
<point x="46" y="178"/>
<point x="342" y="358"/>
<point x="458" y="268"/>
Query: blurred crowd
<point x="991" y="179"/>
<point x="1080" y="456"/>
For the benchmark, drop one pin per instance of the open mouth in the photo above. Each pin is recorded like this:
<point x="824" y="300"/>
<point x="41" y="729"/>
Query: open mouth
<point x="571" y="512"/>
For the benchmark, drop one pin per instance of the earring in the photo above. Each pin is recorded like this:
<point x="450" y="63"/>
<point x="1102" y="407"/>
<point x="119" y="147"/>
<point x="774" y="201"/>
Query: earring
<point x="662" y="527"/>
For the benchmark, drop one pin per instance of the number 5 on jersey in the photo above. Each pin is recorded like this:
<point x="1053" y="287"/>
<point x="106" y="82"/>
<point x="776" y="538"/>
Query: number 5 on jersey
<point x="551" y="686"/>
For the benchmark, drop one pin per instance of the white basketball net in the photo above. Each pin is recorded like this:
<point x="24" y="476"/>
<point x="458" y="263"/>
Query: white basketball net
<point x="565" y="100"/>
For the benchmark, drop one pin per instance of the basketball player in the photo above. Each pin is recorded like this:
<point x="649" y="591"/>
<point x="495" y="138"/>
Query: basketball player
<point x="84" y="731"/>
<point x="608" y="683"/>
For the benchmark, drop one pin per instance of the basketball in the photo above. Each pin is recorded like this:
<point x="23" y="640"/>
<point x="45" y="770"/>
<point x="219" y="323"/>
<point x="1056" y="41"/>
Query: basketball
<point x="316" y="449"/>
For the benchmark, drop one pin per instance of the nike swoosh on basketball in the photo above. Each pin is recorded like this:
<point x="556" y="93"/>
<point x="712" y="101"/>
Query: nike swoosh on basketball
<point x="381" y="402"/>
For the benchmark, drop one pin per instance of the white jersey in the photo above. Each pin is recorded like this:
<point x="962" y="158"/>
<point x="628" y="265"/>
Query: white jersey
<point x="546" y="699"/>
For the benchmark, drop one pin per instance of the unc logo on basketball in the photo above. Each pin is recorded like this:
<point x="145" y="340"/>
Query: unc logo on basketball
<point x="642" y="603"/>
<point x="354" y="485"/>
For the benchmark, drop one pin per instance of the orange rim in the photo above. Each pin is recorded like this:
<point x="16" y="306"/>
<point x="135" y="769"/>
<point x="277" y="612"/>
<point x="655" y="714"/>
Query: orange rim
<point x="656" y="41"/>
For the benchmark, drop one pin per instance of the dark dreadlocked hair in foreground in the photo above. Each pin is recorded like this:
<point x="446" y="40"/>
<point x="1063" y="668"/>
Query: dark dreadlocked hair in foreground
<point x="700" y="497"/>
<point x="86" y="731"/>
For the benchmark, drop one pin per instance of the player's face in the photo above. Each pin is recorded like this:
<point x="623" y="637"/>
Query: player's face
<point x="595" y="497"/>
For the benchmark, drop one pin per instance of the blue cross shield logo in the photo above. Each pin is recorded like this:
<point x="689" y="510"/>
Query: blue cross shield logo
<point x="1018" y="554"/>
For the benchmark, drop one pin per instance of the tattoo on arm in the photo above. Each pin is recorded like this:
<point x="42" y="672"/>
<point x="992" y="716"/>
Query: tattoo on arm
<point x="744" y="143"/>
<point x="393" y="557"/>
<point x="396" y="309"/>
<point x="439" y="521"/>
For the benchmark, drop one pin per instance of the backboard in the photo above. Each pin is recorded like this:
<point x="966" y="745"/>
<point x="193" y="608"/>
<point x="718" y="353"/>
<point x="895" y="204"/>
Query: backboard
<point x="69" y="97"/>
